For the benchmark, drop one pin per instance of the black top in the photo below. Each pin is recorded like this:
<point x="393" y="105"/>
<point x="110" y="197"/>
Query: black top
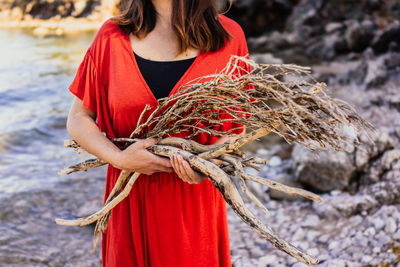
<point x="161" y="76"/>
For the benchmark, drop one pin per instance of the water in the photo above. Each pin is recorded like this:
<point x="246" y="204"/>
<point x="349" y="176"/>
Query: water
<point x="34" y="101"/>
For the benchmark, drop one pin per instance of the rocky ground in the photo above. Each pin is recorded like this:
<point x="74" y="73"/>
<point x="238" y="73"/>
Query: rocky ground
<point x="354" y="47"/>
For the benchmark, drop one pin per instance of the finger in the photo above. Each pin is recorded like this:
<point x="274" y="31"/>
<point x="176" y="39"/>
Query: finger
<point x="171" y="159"/>
<point x="188" y="170"/>
<point x="149" y="142"/>
<point x="197" y="177"/>
<point x="179" y="166"/>
<point x="187" y="174"/>
<point x="163" y="162"/>
<point x="175" y="164"/>
<point x="164" y="169"/>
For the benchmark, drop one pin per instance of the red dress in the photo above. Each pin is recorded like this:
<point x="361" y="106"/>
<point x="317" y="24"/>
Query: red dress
<point x="164" y="221"/>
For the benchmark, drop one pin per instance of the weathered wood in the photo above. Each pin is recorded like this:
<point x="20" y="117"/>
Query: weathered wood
<point x="83" y="166"/>
<point x="228" y="190"/>
<point x="303" y="114"/>
<point x="94" y="217"/>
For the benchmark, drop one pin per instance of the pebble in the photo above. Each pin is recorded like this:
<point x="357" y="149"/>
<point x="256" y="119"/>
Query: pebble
<point x="390" y="225"/>
<point x="311" y="221"/>
<point x="333" y="245"/>
<point x="269" y="259"/>
<point x="352" y="241"/>
<point x="370" y="231"/>
<point x="313" y="251"/>
<point x="378" y="223"/>
<point x="298" y="235"/>
<point x="312" y="235"/>
<point x="376" y="250"/>
<point x="366" y="259"/>
<point x="256" y="252"/>
<point x="274" y="161"/>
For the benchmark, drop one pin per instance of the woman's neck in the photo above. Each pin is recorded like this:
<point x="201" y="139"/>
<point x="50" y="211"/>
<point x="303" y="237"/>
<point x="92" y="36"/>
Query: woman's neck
<point x="164" y="10"/>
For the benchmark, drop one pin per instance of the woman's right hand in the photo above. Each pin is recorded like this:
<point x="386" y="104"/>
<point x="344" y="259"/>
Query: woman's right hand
<point x="137" y="158"/>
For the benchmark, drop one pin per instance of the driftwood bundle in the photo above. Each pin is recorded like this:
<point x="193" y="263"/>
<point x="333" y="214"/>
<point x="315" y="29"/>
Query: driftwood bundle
<point x="283" y="99"/>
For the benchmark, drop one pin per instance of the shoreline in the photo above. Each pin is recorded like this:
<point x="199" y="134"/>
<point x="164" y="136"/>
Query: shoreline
<point x="51" y="27"/>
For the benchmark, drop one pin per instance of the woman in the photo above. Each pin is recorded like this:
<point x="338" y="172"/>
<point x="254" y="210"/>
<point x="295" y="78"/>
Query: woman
<point x="173" y="216"/>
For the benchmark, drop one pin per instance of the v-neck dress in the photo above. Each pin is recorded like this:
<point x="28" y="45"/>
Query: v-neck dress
<point x="164" y="221"/>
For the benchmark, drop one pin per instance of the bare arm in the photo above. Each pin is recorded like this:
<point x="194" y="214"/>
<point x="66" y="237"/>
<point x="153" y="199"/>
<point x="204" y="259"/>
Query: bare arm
<point x="83" y="129"/>
<point x="81" y="126"/>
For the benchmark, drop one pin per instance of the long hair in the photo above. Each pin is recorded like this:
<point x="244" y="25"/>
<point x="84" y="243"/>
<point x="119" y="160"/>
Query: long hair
<point x="195" y="23"/>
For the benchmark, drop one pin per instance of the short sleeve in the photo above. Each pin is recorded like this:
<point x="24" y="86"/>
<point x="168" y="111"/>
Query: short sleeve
<point x="87" y="85"/>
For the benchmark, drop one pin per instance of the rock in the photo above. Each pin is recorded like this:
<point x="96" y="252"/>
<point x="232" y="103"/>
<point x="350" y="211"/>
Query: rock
<point x="313" y="252"/>
<point x="312" y="235"/>
<point x="325" y="171"/>
<point x="269" y="259"/>
<point x="378" y="223"/>
<point x="389" y="161"/>
<point x="376" y="73"/>
<point x="370" y="231"/>
<point x="251" y="14"/>
<point x="333" y="26"/>
<point x="376" y="250"/>
<point x="298" y="235"/>
<point x="311" y="221"/>
<point x="366" y="259"/>
<point x="266" y="58"/>
<point x="41" y="31"/>
<point x="274" y="161"/>
<point x="390" y="225"/>
<point x="359" y="35"/>
<point x="324" y="238"/>
<point x="79" y="8"/>
<point x="329" y="46"/>
<point x="16" y="14"/>
<point x="305" y="13"/>
<point x="333" y="245"/>
<point x="345" y="205"/>
<point x="272" y="43"/>
<point x="256" y="252"/>
<point x="333" y="170"/>
<point x="391" y="33"/>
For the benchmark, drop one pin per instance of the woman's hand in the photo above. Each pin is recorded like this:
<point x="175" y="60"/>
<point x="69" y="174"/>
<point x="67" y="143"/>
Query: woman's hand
<point x="185" y="172"/>
<point x="138" y="159"/>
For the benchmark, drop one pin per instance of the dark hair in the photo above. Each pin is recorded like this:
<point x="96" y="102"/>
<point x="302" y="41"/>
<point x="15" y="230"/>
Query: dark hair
<point x="195" y="22"/>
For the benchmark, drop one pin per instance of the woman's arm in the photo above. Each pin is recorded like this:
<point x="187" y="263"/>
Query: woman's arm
<point x="81" y="126"/>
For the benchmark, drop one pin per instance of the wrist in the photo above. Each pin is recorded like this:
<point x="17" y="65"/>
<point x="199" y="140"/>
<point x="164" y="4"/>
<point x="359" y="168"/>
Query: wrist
<point x="116" y="159"/>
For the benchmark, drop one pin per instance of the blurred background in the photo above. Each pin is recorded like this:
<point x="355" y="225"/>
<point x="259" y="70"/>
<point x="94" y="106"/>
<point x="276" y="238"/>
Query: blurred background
<point x="353" y="46"/>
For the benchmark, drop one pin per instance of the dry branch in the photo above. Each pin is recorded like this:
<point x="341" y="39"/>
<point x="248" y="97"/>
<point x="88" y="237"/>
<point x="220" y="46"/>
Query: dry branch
<point x="283" y="99"/>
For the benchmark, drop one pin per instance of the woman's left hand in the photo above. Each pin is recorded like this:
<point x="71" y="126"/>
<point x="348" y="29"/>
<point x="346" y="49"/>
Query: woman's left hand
<point x="185" y="172"/>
